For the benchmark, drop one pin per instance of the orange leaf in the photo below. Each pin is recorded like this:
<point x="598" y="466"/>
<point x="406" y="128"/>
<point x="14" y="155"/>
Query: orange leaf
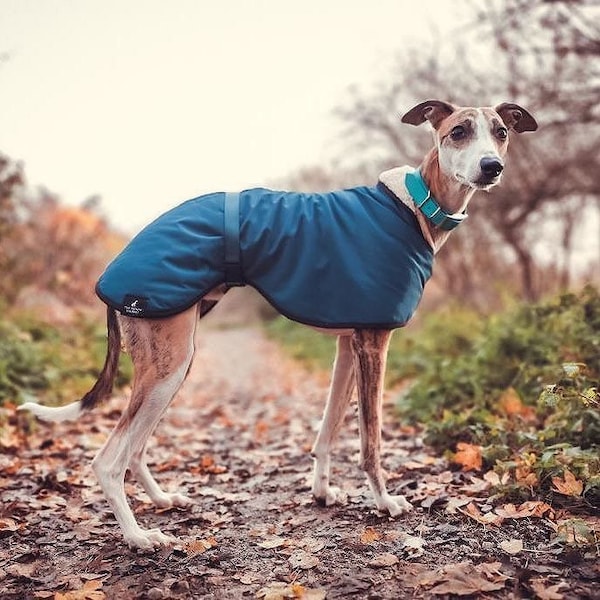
<point x="369" y="535"/>
<point x="510" y="402"/>
<point x="569" y="486"/>
<point x="468" y="456"/>
<point x="194" y="547"/>
<point x="488" y="519"/>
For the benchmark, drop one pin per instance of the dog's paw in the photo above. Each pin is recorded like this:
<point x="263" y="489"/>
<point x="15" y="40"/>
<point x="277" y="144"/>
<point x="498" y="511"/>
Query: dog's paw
<point x="394" y="505"/>
<point x="330" y="496"/>
<point x="148" y="539"/>
<point x="172" y="500"/>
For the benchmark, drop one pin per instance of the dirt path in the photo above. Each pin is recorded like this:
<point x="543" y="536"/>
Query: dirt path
<point x="237" y="440"/>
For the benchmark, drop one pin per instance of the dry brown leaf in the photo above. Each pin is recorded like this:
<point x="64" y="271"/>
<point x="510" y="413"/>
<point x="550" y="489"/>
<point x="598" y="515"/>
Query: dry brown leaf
<point x="537" y="508"/>
<point x="494" y="479"/>
<point x="455" y="503"/>
<point x="464" y="579"/>
<point x="383" y="560"/>
<point x="468" y="456"/>
<point x="488" y="519"/>
<point x="570" y="485"/>
<point x="476" y="486"/>
<point x="283" y="591"/>
<point x="512" y="546"/>
<point x="369" y="536"/>
<point x="89" y="591"/>
<point x="547" y="593"/>
<point x="273" y="542"/>
<point x="303" y="560"/>
<point x="532" y="508"/>
<point x="194" y="547"/>
<point x="9" y="525"/>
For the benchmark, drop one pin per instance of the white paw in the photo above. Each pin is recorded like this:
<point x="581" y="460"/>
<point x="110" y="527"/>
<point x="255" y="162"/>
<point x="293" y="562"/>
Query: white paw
<point x="171" y="500"/>
<point x="394" y="505"/>
<point x="148" y="539"/>
<point x="328" y="496"/>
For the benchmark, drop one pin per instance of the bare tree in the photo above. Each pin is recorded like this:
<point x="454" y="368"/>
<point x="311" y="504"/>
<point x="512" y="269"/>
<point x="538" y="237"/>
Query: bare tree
<point x="539" y="53"/>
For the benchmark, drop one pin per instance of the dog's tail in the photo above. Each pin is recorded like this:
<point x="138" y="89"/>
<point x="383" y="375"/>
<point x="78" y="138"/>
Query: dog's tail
<point x="102" y="388"/>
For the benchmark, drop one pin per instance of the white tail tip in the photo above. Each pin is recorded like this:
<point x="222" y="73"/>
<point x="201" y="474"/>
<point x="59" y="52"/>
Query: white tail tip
<point x="70" y="412"/>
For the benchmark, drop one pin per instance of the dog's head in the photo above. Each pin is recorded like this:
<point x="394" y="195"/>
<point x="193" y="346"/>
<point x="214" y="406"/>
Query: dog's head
<point x="471" y="142"/>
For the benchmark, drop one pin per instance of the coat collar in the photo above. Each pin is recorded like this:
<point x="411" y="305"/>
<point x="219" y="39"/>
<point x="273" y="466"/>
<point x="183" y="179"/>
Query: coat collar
<point x="395" y="180"/>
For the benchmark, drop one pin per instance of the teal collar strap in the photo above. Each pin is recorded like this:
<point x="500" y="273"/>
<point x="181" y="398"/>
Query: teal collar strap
<point x="428" y="205"/>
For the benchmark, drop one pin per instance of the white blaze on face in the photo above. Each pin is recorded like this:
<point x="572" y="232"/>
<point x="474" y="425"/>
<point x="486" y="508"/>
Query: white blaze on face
<point x="467" y="136"/>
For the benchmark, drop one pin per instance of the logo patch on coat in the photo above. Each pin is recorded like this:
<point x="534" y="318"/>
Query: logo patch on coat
<point x="134" y="306"/>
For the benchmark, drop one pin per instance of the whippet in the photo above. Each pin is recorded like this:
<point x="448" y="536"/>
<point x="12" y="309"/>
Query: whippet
<point x="410" y="213"/>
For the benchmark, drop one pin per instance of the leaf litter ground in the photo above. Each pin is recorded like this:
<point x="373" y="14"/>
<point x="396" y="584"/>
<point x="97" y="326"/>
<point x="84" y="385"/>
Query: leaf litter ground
<point x="237" y="440"/>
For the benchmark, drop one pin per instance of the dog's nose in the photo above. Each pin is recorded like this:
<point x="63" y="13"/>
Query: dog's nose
<point x="491" y="166"/>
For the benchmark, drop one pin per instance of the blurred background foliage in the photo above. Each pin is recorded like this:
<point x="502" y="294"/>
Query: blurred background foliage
<point x="495" y="334"/>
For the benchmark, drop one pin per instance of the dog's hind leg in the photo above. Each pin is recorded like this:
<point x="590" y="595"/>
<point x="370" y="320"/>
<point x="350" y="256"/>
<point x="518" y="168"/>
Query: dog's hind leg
<point x="340" y="393"/>
<point x="370" y="348"/>
<point x="161" y="351"/>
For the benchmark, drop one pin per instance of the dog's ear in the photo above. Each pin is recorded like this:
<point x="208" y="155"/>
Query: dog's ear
<point x="516" y="117"/>
<point x="434" y="111"/>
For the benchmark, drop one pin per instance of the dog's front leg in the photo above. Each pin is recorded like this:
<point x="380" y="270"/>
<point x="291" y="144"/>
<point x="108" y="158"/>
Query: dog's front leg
<point x="370" y="348"/>
<point x="340" y="392"/>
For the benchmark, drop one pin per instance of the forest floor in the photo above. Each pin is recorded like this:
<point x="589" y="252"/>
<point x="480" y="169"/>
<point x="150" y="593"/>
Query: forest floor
<point x="237" y="440"/>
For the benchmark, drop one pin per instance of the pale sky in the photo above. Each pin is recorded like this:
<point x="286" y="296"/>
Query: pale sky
<point x="148" y="103"/>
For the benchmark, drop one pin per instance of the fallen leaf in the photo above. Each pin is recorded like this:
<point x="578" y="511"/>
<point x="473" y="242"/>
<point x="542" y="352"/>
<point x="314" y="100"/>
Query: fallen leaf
<point x="369" y="535"/>
<point x="547" y="593"/>
<point x="511" y="404"/>
<point x="194" y="547"/>
<point x="249" y="578"/>
<point x="494" y="479"/>
<point x="468" y="456"/>
<point x="303" y="560"/>
<point x="512" y="546"/>
<point x="476" y="486"/>
<point x="488" y="519"/>
<point x="383" y="560"/>
<point x="273" y="542"/>
<point x="311" y="544"/>
<point x="570" y="485"/>
<point x="25" y="570"/>
<point x="8" y="526"/>
<point x="575" y="532"/>
<point x="282" y="591"/>
<point x="455" y="503"/>
<point x="89" y="591"/>
<point x="413" y="545"/>
<point x="465" y="579"/>
<point x="532" y="508"/>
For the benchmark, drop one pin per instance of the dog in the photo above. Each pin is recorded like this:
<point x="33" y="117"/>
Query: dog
<point x="411" y="213"/>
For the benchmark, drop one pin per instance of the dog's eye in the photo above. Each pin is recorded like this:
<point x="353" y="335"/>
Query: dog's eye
<point x="501" y="133"/>
<point x="458" y="133"/>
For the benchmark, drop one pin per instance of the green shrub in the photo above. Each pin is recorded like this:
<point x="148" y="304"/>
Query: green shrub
<point x="525" y="389"/>
<point x="49" y="364"/>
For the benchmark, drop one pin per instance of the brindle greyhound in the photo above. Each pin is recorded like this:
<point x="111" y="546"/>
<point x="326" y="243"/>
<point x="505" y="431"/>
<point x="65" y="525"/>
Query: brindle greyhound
<point x="470" y="144"/>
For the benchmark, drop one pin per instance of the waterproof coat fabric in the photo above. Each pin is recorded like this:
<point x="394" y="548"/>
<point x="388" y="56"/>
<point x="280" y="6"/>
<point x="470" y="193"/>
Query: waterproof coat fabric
<point x="349" y="258"/>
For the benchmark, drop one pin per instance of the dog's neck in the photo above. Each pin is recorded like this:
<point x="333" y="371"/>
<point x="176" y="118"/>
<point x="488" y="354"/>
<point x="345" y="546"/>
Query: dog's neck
<point x="452" y="196"/>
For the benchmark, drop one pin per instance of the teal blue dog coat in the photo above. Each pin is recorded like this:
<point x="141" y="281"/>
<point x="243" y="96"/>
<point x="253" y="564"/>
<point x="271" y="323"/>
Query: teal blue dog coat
<point x="344" y="259"/>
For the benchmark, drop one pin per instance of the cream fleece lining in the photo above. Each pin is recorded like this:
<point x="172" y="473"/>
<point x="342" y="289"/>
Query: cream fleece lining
<point x="393" y="179"/>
